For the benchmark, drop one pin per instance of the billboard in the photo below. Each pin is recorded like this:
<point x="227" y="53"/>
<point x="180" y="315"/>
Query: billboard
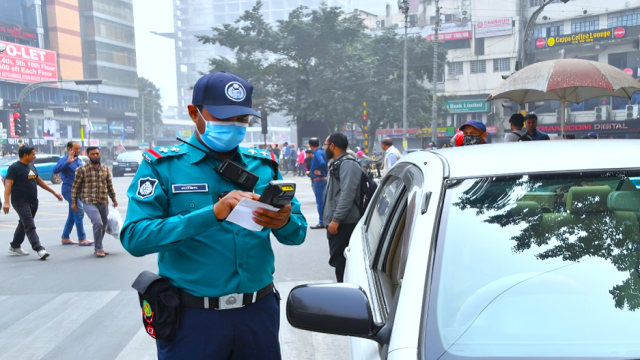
<point x="122" y="129"/>
<point x="495" y="27"/>
<point x="586" y="37"/>
<point x="448" y="32"/>
<point x="23" y="63"/>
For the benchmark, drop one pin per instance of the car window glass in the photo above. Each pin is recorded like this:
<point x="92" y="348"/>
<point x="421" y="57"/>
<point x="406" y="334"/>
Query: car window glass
<point x="381" y="211"/>
<point x="537" y="266"/>
<point x="8" y="160"/>
<point x="42" y="160"/>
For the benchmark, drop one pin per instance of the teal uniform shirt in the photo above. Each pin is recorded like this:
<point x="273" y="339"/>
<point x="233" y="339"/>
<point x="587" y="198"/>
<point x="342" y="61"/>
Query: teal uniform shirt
<point x="170" y="213"/>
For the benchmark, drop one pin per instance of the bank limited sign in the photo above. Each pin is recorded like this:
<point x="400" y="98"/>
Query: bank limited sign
<point x="587" y="37"/>
<point x="467" y="106"/>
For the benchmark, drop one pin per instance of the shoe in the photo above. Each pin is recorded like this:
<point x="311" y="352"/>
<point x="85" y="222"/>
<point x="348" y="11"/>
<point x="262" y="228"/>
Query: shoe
<point x="17" y="252"/>
<point x="319" y="226"/>
<point x="101" y="253"/>
<point x="43" y="254"/>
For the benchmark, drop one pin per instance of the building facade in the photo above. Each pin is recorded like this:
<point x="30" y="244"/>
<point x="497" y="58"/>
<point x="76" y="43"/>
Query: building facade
<point x="591" y="31"/>
<point x="67" y="41"/>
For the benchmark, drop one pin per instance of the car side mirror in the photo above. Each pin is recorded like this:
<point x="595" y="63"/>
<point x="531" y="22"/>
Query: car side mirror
<point x="340" y="309"/>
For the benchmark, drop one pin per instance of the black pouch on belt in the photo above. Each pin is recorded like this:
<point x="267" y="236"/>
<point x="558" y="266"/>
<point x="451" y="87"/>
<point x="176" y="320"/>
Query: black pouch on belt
<point x="160" y="303"/>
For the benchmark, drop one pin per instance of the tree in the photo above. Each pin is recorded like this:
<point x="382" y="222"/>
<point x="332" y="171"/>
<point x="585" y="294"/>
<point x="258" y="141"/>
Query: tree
<point x="321" y="66"/>
<point x="149" y="108"/>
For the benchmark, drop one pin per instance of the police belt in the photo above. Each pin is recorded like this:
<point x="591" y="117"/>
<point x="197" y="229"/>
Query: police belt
<point x="231" y="301"/>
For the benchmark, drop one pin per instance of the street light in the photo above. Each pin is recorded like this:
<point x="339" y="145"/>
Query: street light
<point x="403" y="5"/>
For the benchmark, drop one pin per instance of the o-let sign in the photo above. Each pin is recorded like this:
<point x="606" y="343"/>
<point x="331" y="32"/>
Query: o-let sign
<point x="27" y="64"/>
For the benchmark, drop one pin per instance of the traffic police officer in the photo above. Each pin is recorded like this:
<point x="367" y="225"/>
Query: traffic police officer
<point x="178" y="204"/>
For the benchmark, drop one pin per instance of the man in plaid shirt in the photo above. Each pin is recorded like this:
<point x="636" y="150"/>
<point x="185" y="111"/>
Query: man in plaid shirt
<point x="92" y="185"/>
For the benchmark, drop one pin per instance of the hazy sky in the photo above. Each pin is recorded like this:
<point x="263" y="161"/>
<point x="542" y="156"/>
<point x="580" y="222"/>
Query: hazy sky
<point x="156" y="55"/>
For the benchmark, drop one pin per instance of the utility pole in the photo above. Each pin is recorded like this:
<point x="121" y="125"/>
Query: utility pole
<point x="142" y="113"/>
<point x="434" y="94"/>
<point x="404" y="7"/>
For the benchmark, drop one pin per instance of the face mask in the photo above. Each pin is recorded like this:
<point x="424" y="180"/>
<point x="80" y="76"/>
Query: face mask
<point x="222" y="136"/>
<point x="471" y="140"/>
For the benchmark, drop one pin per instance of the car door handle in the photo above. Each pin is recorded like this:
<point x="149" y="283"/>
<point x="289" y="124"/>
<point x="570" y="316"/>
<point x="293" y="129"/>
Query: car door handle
<point x="347" y="252"/>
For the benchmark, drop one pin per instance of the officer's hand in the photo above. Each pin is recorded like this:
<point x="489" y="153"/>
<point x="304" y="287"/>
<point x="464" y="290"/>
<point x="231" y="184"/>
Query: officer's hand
<point x="223" y="208"/>
<point x="271" y="219"/>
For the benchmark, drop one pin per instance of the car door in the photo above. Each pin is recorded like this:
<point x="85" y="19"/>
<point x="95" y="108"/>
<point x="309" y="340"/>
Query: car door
<point x="42" y="164"/>
<point x="378" y="250"/>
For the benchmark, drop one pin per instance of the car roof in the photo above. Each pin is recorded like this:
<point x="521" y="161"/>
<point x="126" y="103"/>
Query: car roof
<point x="536" y="157"/>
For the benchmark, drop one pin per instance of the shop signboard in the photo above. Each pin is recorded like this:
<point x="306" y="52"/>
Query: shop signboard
<point x="449" y="31"/>
<point x="494" y="27"/>
<point x="397" y="133"/>
<point x="605" y="126"/>
<point x="18" y="32"/>
<point x="23" y="63"/>
<point x="586" y="37"/>
<point x="467" y="106"/>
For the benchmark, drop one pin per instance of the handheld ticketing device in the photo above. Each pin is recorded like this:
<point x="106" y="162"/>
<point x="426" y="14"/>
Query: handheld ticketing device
<point x="279" y="193"/>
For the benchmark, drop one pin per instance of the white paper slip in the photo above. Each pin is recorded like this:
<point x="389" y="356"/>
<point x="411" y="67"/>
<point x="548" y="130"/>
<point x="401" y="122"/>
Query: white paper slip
<point x="242" y="214"/>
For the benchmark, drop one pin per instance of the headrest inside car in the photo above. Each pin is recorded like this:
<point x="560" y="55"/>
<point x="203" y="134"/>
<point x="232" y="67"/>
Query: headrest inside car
<point x="582" y="199"/>
<point x="624" y="201"/>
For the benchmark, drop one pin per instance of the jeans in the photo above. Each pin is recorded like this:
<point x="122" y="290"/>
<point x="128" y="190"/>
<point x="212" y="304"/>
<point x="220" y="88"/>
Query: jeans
<point x="300" y="169"/>
<point x="318" y="191"/>
<point x="74" y="217"/>
<point x="337" y="244"/>
<point x="26" y="211"/>
<point x="98" y="215"/>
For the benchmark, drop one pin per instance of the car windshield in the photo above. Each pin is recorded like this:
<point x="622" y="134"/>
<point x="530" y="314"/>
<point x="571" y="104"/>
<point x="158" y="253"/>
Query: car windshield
<point x="538" y="267"/>
<point x="8" y="160"/>
<point x="135" y="155"/>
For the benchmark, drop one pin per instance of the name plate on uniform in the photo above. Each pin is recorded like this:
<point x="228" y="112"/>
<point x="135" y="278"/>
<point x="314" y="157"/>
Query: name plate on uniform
<point x="189" y="188"/>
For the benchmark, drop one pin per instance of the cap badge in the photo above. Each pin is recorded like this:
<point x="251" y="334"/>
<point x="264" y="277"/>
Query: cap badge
<point x="235" y="91"/>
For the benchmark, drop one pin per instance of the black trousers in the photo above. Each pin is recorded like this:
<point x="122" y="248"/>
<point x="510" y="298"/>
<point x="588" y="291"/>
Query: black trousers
<point x="337" y="244"/>
<point x="26" y="211"/>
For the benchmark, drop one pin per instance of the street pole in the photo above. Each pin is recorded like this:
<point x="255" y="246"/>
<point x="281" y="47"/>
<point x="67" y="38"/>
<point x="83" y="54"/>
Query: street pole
<point x="434" y="95"/>
<point x="88" y="115"/>
<point x="404" y="7"/>
<point x="142" y="112"/>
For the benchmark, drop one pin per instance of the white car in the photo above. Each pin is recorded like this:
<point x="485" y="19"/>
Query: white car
<point x="506" y="251"/>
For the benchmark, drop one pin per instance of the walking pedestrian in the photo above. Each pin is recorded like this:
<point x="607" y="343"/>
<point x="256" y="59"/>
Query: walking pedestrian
<point x="391" y="155"/>
<point x="222" y="272"/>
<point x="318" y="173"/>
<point x="340" y="211"/>
<point x="300" y="162"/>
<point x="92" y="185"/>
<point x="531" y="123"/>
<point x="66" y="167"/>
<point x="518" y="133"/>
<point x="21" y="191"/>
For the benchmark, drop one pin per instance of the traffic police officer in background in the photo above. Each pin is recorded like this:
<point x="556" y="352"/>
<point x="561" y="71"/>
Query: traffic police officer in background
<point x="178" y="204"/>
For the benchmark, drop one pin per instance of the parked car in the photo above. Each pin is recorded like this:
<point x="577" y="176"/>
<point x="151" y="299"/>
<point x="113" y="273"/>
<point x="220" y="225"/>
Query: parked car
<point x="127" y="162"/>
<point x="474" y="253"/>
<point x="44" y="163"/>
<point x="85" y="159"/>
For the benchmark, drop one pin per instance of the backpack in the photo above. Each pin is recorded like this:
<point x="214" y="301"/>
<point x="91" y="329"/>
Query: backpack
<point x="524" y="137"/>
<point x="367" y="185"/>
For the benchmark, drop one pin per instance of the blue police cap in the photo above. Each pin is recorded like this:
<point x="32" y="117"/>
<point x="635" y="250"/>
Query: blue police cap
<point x="476" y="124"/>
<point x="224" y="95"/>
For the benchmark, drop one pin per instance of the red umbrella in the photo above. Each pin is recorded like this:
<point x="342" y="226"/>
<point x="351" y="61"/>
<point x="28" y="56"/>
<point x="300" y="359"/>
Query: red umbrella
<point x="567" y="80"/>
